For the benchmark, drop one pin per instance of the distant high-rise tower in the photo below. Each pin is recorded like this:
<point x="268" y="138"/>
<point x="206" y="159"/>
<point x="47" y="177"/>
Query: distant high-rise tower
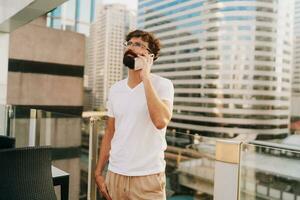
<point x="105" y="49"/>
<point x="230" y="62"/>
<point x="295" y="111"/>
<point x="74" y="15"/>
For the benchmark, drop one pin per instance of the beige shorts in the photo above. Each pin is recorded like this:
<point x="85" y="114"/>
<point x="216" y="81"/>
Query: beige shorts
<point x="150" y="187"/>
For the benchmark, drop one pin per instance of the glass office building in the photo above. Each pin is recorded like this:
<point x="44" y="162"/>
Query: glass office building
<point x="74" y="15"/>
<point x="230" y="62"/>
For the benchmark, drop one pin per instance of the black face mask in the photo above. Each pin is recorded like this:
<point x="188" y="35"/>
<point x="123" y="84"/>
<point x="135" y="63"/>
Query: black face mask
<point x="128" y="59"/>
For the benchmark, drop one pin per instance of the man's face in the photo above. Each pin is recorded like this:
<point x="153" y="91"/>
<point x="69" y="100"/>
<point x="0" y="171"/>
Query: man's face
<point x="137" y="46"/>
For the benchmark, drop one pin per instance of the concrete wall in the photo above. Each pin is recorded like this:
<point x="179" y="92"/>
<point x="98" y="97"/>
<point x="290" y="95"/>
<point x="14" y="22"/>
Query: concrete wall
<point x="39" y="43"/>
<point x="41" y="21"/>
<point x="35" y="42"/>
<point x="43" y="89"/>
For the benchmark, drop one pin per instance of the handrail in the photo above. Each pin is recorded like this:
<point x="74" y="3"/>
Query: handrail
<point x="276" y="145"/>
<point x="189" y="153"/>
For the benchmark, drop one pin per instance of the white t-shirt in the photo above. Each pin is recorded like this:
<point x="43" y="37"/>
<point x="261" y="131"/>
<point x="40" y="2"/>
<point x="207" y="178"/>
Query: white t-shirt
<point x="137" y="147"/>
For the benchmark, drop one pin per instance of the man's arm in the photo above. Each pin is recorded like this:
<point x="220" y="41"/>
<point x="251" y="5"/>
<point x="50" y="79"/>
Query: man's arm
<point x="159" y="110"/>
<point x="104" y="155"/>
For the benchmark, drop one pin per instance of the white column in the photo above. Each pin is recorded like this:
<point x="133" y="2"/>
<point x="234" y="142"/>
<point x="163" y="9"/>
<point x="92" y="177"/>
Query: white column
<point x="32" y="128"/>
<point x="226" y="180"/>
<point x="48" y="127"/>
<point x="3" y="120"/>
<point x="4" y="48"/>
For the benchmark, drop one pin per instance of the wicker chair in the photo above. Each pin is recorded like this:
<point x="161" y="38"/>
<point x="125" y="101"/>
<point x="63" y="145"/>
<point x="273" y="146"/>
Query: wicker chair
<point x="7" y="142"/>
<point x="25" y="174"/>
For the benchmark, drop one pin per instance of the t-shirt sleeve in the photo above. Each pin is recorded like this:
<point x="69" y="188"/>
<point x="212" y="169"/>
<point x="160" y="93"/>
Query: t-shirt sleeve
<point x="109" y="107"/>
<point x="166" y="92"/>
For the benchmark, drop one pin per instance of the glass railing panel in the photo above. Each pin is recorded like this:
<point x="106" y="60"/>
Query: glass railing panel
<point x="22" y="125"/>
<point x="58" y="129"/>
<point x="269" y="171"/>
<point x="34" y="127"/>
<point x="190" y="162"/>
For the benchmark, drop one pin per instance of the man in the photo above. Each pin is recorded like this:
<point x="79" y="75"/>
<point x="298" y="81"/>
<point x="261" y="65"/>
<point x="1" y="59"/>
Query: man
<point x="139" y="110"/>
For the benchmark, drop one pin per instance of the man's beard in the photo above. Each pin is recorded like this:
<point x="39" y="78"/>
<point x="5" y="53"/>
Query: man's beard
<point x="128" y="59"/>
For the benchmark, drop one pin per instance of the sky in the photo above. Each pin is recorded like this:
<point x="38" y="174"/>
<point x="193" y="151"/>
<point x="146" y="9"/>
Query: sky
<point x="132" y="4"/>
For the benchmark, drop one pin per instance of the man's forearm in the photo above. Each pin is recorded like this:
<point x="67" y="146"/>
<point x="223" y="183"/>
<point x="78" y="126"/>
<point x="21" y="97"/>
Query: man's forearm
<point x="159" y="112"/>
<point x="103" y="153"/>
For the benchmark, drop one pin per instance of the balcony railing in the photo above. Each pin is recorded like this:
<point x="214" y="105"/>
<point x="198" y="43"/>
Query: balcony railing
<point x="198" y="167"/>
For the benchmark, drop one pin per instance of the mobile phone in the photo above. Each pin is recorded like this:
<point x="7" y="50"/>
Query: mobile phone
<point x="138" y="62"/>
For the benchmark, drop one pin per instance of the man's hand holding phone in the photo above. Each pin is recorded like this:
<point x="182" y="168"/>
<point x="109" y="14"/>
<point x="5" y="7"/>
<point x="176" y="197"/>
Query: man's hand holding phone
<point x="144" y="63"/>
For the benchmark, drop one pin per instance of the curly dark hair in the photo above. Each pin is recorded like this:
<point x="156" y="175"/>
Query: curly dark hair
<point x="153" y="43"/>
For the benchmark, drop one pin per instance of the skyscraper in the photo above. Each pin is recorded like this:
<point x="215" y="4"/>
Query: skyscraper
<point x="105" y="49"/>
<point x="74" y="15"/>
<point x="295" y="111"/>
<point x="230" y="62"/>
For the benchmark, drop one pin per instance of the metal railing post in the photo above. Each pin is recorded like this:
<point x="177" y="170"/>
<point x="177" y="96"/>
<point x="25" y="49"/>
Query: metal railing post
<point x="93" y="147"/>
